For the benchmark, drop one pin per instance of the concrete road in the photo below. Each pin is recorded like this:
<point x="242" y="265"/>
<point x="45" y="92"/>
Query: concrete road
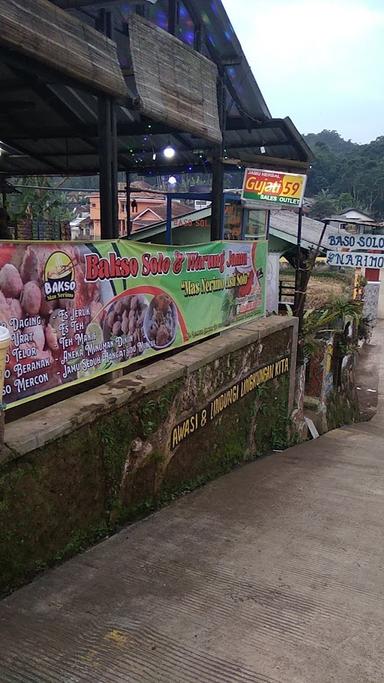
<point x="274" y="573"/>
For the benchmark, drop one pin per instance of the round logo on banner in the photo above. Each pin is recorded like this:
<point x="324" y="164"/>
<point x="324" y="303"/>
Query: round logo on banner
<point x="59" y="277"/>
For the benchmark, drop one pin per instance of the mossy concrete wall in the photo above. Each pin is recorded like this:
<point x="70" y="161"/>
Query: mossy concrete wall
<point x="74" y="472"/>
<point x="331" y="399"/>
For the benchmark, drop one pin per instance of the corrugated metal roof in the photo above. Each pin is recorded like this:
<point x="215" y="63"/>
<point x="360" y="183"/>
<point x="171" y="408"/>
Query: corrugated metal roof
<point x="284" y="225"/>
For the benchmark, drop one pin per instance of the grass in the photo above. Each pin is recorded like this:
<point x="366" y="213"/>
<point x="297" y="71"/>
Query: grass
<point x="324" y="285"/>
<point x="289" y="274"/>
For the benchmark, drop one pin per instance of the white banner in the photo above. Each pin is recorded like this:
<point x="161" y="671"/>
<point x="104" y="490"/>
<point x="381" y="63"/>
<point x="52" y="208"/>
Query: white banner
<point x="355" y="241"/>
<point x="354" y="259"/>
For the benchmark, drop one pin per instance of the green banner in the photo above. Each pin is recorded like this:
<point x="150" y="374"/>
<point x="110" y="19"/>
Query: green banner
<point x="78" y="310"/>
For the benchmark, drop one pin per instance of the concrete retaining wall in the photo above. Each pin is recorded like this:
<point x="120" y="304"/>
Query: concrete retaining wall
<point x="74" y="472"/>
<point x="330" y="392"/>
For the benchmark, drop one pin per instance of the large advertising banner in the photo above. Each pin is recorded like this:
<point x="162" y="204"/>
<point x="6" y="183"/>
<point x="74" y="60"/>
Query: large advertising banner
<point x="273" y="189"/>
<point x="75" y="311"/>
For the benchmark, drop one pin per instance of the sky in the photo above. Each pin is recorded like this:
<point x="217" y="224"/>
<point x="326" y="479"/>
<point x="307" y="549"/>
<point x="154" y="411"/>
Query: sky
<point x="321" y="62"/>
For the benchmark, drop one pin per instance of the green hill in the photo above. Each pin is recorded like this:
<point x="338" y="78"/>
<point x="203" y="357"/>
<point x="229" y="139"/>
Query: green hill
<point x="346" y="174"/>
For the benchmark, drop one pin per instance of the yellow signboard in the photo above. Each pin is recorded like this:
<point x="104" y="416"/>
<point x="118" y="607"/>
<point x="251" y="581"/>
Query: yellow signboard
<point x="273" y="187"/>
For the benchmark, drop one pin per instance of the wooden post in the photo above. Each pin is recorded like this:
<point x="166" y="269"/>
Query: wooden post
<point x="105" y="159"/>
<point x="107" y="130"/>
<point x="305" y="275"/>
<point x="217" y="216"/>
<point x="172" y="16"/>
<point x="114" y="172"/>
<point x="268" y="226"/>
<point x="298" y="277"/>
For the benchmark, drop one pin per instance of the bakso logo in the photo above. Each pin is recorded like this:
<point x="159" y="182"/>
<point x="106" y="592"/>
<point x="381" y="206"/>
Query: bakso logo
<point x="59" y="277"/>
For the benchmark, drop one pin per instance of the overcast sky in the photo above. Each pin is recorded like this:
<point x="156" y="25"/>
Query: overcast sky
<point x="321" y="62"/>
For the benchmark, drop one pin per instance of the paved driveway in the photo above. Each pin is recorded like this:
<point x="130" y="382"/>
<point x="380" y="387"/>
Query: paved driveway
<point x="273" y="573"/>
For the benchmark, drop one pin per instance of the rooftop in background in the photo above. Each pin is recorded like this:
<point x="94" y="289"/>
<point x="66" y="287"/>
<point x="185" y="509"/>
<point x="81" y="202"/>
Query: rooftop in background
<point x="282" y="228"/>
<point x="352" y="215"/>
<point x="151" y="216"/>
<point x="48" y="123"/>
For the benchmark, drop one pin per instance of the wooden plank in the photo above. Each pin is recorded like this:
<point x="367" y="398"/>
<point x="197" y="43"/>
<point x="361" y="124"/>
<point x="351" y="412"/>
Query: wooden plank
<point x="38" y="29"/>
<point x="174" y="83"/>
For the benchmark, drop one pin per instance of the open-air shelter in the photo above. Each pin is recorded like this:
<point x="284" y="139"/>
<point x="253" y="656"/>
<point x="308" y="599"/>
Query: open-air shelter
<point x="105" y="86"/>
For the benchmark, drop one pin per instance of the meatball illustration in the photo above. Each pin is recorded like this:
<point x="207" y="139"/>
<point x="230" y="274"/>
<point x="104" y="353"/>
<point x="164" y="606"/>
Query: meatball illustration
<point x="31" y="298"/>
<point x="30" y="266"/>
<point x="116" y="329"/>
<point x="161" y="321"/>
<point x="162" y="336"/>
<point x="15" y="308"/>
<point x="11" y="283"/>
<point x="126" y="317"/>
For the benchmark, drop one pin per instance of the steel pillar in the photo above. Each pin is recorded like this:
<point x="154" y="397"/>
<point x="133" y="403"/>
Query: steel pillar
<point x="217" y="220"/>
<point x="128" y="201"/>
<point x="169" y="220"/>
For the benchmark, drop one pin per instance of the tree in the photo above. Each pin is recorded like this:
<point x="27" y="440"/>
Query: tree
<point x="344" y="201"/>
<point x="352" y="174"/>
<point x="322" y="320"/>
<point x="323" y="206"/>
<point x="34" y="200"/>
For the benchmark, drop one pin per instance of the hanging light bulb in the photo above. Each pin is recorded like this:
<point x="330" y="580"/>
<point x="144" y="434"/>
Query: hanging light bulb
<point x="154" y="156"/>
<point x="172" y="180"/>
<point x="169" y="152"/>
